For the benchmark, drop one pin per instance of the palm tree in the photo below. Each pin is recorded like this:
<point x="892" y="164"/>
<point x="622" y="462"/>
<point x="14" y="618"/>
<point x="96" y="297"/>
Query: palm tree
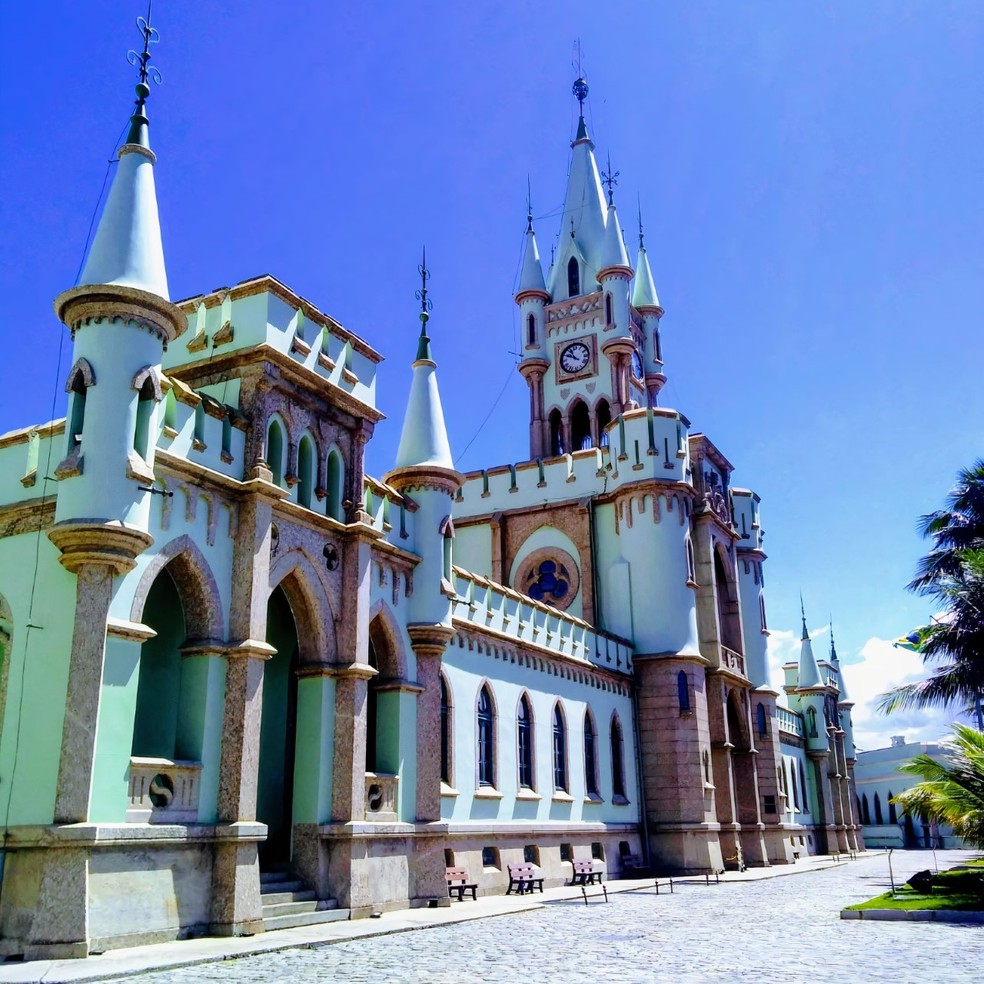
<point x="952" y="573"/>
<point x="952" y="790"/>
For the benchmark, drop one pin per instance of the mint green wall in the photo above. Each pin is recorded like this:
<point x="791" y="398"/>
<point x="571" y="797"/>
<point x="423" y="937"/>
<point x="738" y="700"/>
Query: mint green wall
<point x="159" y="688"/>
<point x="114" y="732"/>
<point x="37" y="675"/>
<point x="199" y="734"/>
<point x="314" y="754"/>
<point x="473" y="549"/>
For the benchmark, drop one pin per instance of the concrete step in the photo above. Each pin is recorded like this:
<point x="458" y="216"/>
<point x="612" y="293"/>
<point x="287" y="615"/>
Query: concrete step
<point x="274" y="874"/>
<point x="276" y="898"/>
<point x="304" y="918"/>
<point x="279" y="887"/>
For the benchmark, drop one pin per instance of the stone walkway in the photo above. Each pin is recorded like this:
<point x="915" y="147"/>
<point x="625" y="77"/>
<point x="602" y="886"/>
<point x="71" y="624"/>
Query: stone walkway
<point x="756" y="925"/>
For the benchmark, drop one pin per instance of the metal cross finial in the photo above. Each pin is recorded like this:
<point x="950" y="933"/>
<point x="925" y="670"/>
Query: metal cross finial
<point x="529" y="205"/>
<point x="421" y="293"/>
<point x="642" y="244"/>
<point x="572" y="228"/>
<point x="141" y="60"/>
<point x="611" y="179"/>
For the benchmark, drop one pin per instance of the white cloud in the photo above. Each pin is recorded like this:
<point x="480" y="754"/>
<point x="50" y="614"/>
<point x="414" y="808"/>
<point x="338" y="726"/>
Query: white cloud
<point x="879" y="667"/>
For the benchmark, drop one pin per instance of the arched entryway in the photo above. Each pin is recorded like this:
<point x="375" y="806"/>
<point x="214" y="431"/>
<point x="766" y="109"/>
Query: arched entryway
<point x="275" y="790"/>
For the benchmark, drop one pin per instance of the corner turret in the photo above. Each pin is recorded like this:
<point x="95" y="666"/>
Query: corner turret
<point x="121" y="320"/>
<point x="646" y="302"/>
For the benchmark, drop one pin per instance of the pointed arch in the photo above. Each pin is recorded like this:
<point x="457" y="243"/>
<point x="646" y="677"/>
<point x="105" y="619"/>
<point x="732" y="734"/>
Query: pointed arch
<point x="865" y="811"/>
<point x="603" y="417"/>
<point x="525" y="730"/>
<point x="276" y="449"/>
<point x="556" y="421"/>
<point x="80" y="378"/>
<point x="726" y="596"/>
<point x="80" y="375"/>
<point x="307" y="457"/>
<point x="761" y="720"/>
<point x="580" y="426"/>
<point x="893" y="816"/>
<point x="683" y="693"/>
<point x="447" y="729"/>
<point x="196" y="585"/>
<point x="573" y="277"/>
<point x="618" y="757"/>
<point x="531" y="329"/>
<point x="485" y="745"/>
<point x="335" y="485"/>
<point x="608" y="308"/>
<point x="147" y="377"/>
<point x="737" y="724"/>
<point x="386" y="638"/>
<point x="310" y="604"/>
<point x="591" y="787"/>
<point x="878" y="809"/>
<point x="561" y="780"/>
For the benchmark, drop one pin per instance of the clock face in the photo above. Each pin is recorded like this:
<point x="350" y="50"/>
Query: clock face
<point x="636" y="365"/>
<point x="575" y="357"/>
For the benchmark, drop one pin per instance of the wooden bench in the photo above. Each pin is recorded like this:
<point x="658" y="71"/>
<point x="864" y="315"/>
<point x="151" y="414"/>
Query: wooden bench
<point x="524" y="878"/>
<point x="585" y="873"/>
<point x="458" y="883"/>
<point x="633" y="866"/>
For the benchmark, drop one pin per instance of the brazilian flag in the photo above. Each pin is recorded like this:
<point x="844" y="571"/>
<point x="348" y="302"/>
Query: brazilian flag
<point x="915" y="640"/>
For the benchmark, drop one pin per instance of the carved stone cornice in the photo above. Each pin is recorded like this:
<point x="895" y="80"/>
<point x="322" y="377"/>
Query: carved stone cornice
<point x="84" y="542"/>
<point x="27" y="517"/>
<point x="107" y="302"/>
<point x="435" y="477"/>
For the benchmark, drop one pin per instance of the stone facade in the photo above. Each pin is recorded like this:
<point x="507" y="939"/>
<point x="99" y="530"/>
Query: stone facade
<point x="239" y="656"/>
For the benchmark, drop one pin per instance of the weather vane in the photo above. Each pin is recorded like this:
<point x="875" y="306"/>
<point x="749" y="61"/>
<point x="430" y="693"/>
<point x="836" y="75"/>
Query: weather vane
<point x="641" y="243"/>
<point x="611" y="179"/>
<point x="421" y="293"/>
<point x="580" y="87"/>
<point x="529" y="205"/>
<point x="142" y="59"/>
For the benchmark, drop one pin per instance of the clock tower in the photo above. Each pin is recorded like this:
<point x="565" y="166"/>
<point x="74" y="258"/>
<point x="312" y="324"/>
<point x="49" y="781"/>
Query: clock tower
<point x="588" y="352"/>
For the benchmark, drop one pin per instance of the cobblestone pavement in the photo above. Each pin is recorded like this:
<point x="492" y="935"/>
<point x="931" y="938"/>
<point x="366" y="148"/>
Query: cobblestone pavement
<point x="780" y="930"/>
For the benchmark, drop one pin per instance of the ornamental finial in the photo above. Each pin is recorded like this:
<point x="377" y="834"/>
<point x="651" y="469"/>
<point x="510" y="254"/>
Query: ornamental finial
<point x="145" y="71"/>
<point x="423" y="347"/>
<point x="611" y="179"/>
<point x="580" y="87"/>
<point x="529" y="205"/>
<point x="642" y="244"/>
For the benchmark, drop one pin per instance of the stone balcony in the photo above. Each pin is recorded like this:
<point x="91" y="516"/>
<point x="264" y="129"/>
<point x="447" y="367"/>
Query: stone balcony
<point x="730" y="660"/>
<point x="381" y="797"/>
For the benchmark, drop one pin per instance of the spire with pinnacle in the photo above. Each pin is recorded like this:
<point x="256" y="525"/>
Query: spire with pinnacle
<point x="809" y="670"/>
<point x="424" y="440"/>
<point x="835" y="662"/>
<point x="127" y="250"/>
<point x="614" y="253"/>
<point x="644" y="289"/>
<point x="531" y="276"/>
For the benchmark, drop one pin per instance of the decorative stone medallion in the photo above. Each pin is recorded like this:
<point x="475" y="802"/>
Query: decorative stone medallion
<point x="549" y="575"/>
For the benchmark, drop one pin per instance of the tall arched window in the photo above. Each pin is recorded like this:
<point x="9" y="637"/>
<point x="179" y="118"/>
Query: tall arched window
<point x="524" y="739"/>
<point x="608" y="309"/>
<point x="573" y="278"/>
<point x="148" y="394"/>
<point x="334" y="482"/>
<point x="793" y="785"/>
<point x="763" y="725"/>
<point x="580" y="427"/>
<point x="79" y="381"/>
<point x="618" y="761"/>
<point x="305" y="471"/>
<point x="878" y="809"/>
<point x="811" y="720"/>
<point x="559" y="749"/>
<point x="683" y="692"/>
<point x="603" y="414"/>
<point x="590" y="756"/>
<point x="893" y="817"/>
<point x="275" y="451"/>
<point x="486" y="738"/>
<point x="531" y="330"/>
<point x="445" y="733"/>
<point x="806" y="801"/>
<point x="556" y="432"/>
<point x="691" y="562"/>
<point x="865" y="812"/>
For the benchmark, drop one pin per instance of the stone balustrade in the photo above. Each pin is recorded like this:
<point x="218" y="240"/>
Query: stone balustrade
<point x="162" y="791"/>
<point x="791" y="722"/>
<point x="381" y="797"/>
<point x="731" y="660"/>
<point x="506" y="612"/>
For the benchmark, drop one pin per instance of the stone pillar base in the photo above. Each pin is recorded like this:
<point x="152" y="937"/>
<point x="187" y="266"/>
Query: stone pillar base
<point x="780" y="851"/>
<point x="753" y="847"/>
<point x="687" y="848"/>
<point x="236" y="906"/>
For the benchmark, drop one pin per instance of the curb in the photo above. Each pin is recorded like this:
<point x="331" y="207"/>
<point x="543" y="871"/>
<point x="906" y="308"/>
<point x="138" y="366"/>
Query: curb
<point x="915" y="915"/>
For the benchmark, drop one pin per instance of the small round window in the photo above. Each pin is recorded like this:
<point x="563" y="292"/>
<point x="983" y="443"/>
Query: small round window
<point x="549" y="575"/>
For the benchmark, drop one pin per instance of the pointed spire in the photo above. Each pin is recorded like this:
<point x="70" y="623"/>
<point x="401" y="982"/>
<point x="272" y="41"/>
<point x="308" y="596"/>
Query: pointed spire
<point x="644" y="289"/>
<point x="531" y="276"/>
<point x="809" y="669"/>
<point x="424" y="439"/>
<point x="842" y="686"/>
<point x="127" y="250"/>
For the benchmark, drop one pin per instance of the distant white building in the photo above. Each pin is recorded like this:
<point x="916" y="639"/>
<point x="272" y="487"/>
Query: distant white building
<point x="878" y="779"/>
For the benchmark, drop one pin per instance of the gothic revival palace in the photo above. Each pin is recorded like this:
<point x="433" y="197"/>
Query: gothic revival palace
<point x="246" y="685"/>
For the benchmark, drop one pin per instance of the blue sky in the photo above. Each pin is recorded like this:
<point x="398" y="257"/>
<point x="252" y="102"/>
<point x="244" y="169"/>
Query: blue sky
<point x="810" y="177"/>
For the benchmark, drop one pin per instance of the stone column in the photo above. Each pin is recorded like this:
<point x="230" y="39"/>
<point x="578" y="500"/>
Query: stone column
<point x="357" y="513"/>
<point x="96" y="553"/>
<point x="236" y="907"/>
